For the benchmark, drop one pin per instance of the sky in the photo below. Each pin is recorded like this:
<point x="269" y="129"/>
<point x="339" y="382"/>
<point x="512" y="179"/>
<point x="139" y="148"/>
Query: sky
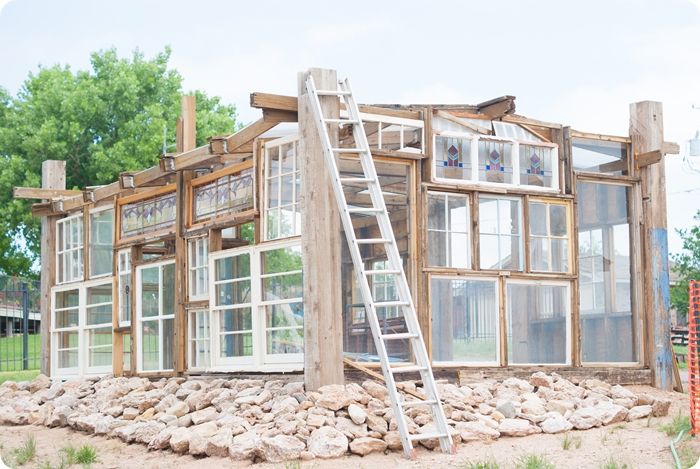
<point x="577" y="63"/>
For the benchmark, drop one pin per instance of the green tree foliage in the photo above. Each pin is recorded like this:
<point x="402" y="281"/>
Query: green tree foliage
<point x="687" y="266"/>
<point x="101" y="121"/>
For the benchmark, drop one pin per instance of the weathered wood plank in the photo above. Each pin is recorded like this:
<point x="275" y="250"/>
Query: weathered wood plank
<point x="497" y="107"/>
<point x="41" y="193"/>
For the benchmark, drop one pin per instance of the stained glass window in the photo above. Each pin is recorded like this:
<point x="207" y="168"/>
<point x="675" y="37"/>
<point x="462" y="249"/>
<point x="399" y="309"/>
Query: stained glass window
<point x="535" y="165"/>
<point x="453" y="158"/>
<point x="144" y="216"/>
<point x="495" y="162"/>
<point x="228" y="194"/>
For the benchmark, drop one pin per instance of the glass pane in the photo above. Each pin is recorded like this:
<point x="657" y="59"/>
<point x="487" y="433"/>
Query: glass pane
<point x="168" y="344"/>
<point x="536" y="316"/>
<point x="284" y="315"/>
<point x="67" y="299"/>
<point x="168" y="289"/>
<point x="282" y="287"/>
<point x="539" y="254"/>
<point x="560" y="255"/>
<point x="464" y="320"/>
<point x="66" y="318"/>
<point x="453" y="158"/>
<point x="127" y="352"/>
<point x="273" y="161"/>
<point x="285" y="341"/>
<point x="599" y="156"/>
<point x="535" y="165"/>
<point x="102" y="339"/>
<point x="125" y="297"/>
<point x="488" y="252"/>
<point x="99" y="314"/>
<point x="66" y="340"/>
<point x="281" y="260"/>
<point x="150" y="291"/>
<point x="233" y="293"/>
<point x="236" y="345"/>
<point x="495" y="161"/>
<point x="538" y="219"/>
<point x="459" y="250"/>
<point x="557" y="220"/>
<point x="67" y="359"/>
<point x="437" y="248"/>
<point x="233" y="267"/>
<point x="436" y="212"/>
<point x="150" y="346"/>
<point x="233" y="320"/>
<point x="101" y="240"/>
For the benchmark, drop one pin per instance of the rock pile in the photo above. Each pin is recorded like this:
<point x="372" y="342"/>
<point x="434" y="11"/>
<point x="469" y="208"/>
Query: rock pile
<point x="254" y="419"/>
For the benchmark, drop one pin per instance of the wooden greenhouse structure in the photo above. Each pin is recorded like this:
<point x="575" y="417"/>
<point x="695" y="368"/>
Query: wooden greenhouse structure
<point x="527" y="245"/>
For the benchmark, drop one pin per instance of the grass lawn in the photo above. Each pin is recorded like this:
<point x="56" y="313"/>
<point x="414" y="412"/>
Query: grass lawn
<point x="681" y="349"/>
<point x="18" y="375"/>
<point x="11" y="352"/>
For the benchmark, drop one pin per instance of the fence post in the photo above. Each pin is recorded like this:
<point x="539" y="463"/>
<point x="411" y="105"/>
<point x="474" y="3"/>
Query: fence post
<point x="25" y="326"/>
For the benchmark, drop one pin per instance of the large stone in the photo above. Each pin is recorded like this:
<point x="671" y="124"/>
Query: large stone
<point x="162" y="439"/>
<point x="376" y="423"/>
<point x="219" y="443"/>
<point x="507" y="409"/>
<point x="40" y="382"/>
<point x="517" y="427"/>
<point x="357" y="414"/>
<point x="540" y="379"/>
<point x="130" y="413"/>
<point x="199" y="436"/>
<point x="178" y="409"/>
<point x="180" y="440"/>
<point x="618" y="392"/>
<point x="518" y="384"/>
<point x="366" y="445"/>
<point x="393" y="440"/>
<point x="610" y="413"/>
<point x="334" y="397"/>
<point x="555" y="423"/>
<point x="375" y="390"/>
<point x="585" y="418"/>
<point x="639" y="412"/>
<point x="327" y="442"/>
<point x="532" y="407"/>
<point x="205" y="415"/>
<point x="471" y="431"/>
<point x="660" y="407"/>
<point x="561" y="406"/>
<point x="244" y="446"/>
<point x="280" y="448"/>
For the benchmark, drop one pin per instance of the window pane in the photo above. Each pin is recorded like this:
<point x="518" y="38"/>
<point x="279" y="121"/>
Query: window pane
<point x="285" y="341"/>
<point x="150" y="291"/>
<point x="599" y="156"/>
<point x="284" y="315"/>
<point x="103" y="313"/>
<point x="436" y="212"/>
<point x="464" y="320"/>
<point x="495" y="161"/>
<point x="168" y="344"/>
<point x="233" y="293"/>
<point x="282" y="287"/>
<point x="101" y="241"/>
<point x="557" y="220"/>
<point x="535" y="165"/>
<point x="488" y="252"/>
<point x="67" y="359"/>
<point x="67" y="340"/>
<point x="236" y="345"/>
<point x="233" y="267"/>
<point x="67" y="299"/>
<point x="150" y="346"/>
<point x="437" y="248"/>
<point x="453" y="158"/>
<point x="538" y="219"/>
<point x="233" y="320"/>
<point x="539" y="254"/>
<point x="536" y="316"/>
<point x="281" y="260"/>
<point x="102" y="340"/>
<point x="127" y="352"/>
<point x="168" y="289"/>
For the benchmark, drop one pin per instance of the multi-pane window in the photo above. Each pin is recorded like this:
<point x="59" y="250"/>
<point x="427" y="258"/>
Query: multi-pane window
<point x="101" y="242"/>
<point x="537" y="318"/>
<point x="66" y="331"/>
<point x="536" y="165"/>
<point x="199" y="339"/>
<point x="230" y="193"/>
<point x="495" y="161"/>
<point x="500" y="228"/>
<point x="124" y="286"/>
<point x="465" y="320"/>
<point x="98" y="326"/>
<point x="282" y="208"/>
<point x="600" y="156"/>
<point x="69" y="249"/>
<point x="147" y="215"/>
<point x="549" y="236"/>
<point x="384" y="289"/>
<point x="453" y="157"/>
<point x="448" y="230"/>
<point x="155" y="312"/>
<point x="198" y="268"/>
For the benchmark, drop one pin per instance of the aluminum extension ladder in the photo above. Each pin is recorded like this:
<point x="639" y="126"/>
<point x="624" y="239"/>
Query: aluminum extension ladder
<point x="394" y="266"/>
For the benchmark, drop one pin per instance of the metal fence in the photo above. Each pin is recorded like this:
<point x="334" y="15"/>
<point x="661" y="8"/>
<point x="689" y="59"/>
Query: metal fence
<point x="20" y="317"/>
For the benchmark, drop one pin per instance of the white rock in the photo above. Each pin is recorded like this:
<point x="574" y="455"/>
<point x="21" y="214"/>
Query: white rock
<point x="517" y="427"/>
<point x="280" y="448"/>
<point x="541" y="379"/>
<point x="555" y="423"/>
<point x="334" y="397"/>
<point x="470" y="431"/>
<point x="585" y="418"/>
<point x="366" y="445"/>
<point x="244" y="446"/>
<point x="639" y="412"/>
<point x="327" y="442"/>
<point x="219" y="443"/>
<point x="611" y="413"/>
<point x="357" y="414"/>
<point x="178" y="409"/>
<point x="205" y="415"/>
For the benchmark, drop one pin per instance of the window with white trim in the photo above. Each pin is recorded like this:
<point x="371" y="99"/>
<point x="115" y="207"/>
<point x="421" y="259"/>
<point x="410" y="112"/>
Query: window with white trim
<point x="124" y="286"/>
<point x="199" y="356"/>
<point x="549" y="236"/>
<point x="66" y="332"/>
<point x="384" y="289"/>
<point x="198" y="266"/>
<point x="282" y="188"/>
<point x="155" y="312"/>
<point x="69" y="249"/>
<point x="448" y="230"/>
<point x="101" y="242"/>
<point x="98" y="326"/>
<point x="257" y="306"/>
<point x="500" y="228"/>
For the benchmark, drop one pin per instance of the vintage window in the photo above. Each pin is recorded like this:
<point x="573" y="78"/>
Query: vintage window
<point x="140" y="214"/>
<point x="69" y="249"/>
<point x="500" y="228"/>
<point x="600" y="156"/>
<point x="198" y="266"/>
<point x="81" y="328"/>
<point x="155" y="312"/>
<point x="199" y="339"/>
<point x="282" y="188"/>
<point x="448" y="230"/>
<point x="465" y="314"/>
<point x="453" y="156"/>
<point x="228" y="191"/>
<point x="537" y="165"/>
<point x="549" y="235"/>
<point x="608" y="332"/>
<point x="124" y="286"/>
<point x="101" y="242"/>
<point x="384" y="289"/>
<point x="495" y="161"/>
<point x="538" y="322"/>
<point x="257" y="306"/>
<point x="387" y="133"/>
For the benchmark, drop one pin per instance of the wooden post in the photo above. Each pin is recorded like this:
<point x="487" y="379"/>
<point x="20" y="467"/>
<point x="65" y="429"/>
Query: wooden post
<point x="53" y="176"/>
<point x="321" y="243"/>
<point x="186" y="141"/>
<point x="646" y="132"/>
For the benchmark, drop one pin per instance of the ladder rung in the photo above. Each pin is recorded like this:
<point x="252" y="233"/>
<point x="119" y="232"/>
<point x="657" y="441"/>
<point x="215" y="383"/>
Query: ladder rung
<point x="364" y="210"/>
<point x="399" y="336"/>
<point x="345" y="180"/>
<point x="426" y="436"/>
<point x="407" y="369"/>
<point x="387" y="304"/>
<point x="382" y="272"/>
<point x="405" y="404"/>
<point x="348" y="150"/>
<point x="333" y="120"/>
<point x="332" y="93"/>
<point x="373" y="241"/>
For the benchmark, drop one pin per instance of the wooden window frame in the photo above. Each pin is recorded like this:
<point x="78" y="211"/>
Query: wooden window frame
<point x="569" y="234"/>
<point x="448" y="231"/>
<point x="521" y="231"/>
<point x="296" y="170"/>
<point x="140" y="197"/>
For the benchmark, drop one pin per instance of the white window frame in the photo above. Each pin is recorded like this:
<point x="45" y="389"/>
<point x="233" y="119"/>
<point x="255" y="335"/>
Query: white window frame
<point x="500" y="234"/>
<point x="160" y="318"/>
<point x="260" y="360"/>
<point x="448" y="229"/>
<point x="296" y="172"/>
<point x="549" y="237"/>
<point x="401" y="122"/>
<point x="497" y="302"/>
<point x="65" y="225"/>
<point x="515" y="159"/>
<point x="124" y="259"/>
<point x="541" y="282"/>
<point x="83" y="330"/>
<point x="193" y="337"/>
<point x="195" y="263"/>
<point x="93" y="213"/>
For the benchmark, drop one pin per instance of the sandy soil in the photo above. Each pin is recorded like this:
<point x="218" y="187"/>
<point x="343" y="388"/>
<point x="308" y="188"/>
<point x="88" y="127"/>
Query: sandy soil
<point x="638" y="444"/>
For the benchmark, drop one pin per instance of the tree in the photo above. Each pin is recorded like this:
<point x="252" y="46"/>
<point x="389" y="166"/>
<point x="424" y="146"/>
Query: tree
<point x="111" y="118"/>
<point x="687" y="266"/>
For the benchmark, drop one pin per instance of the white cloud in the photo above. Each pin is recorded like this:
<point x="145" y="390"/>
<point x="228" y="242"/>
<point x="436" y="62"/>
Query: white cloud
<point x="3" y="3"/>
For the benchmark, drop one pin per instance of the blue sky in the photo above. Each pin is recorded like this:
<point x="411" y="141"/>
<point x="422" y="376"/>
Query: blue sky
<point x="579" y="63"/>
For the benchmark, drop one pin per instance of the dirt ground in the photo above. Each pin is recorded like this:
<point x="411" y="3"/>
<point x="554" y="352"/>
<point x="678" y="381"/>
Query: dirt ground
<point x="638" y="444"/>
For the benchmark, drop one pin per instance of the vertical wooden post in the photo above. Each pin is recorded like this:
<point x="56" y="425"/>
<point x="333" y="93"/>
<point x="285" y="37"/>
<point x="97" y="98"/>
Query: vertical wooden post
<point x="647" y="132"/>
<point x="321" y="242"/>
<point x="186" y="141"/>
<point x="53" y="176"/>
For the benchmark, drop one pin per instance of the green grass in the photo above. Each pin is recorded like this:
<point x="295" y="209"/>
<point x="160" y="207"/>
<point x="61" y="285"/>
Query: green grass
<point x="483" y="464"/>
<point x="18" y="375"/>
<point x="533" y="461"/>
<point x="681" y="349"/>
<point x="11" y="352"/>
<point x="26" y="452"/>
<point x="570" y="441"/>
<point x="86" y="455"/>
<point x="613" y="464"/>
<point x="679" y="422"/>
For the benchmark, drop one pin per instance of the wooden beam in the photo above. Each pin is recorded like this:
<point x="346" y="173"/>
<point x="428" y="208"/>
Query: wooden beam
<point x="535" y="132"/>
<point x="516" y="119"/>
<point x="646" y="132"/>
<point x="670" y="148"/>
<point x="380" y="377"/>
<point x="41" y="193"/>
<point x="650" y="157"/>
<point x="53" y="176"/>
<point x="189" y="122"/>
<point x="461" y="121"/>
<point x="248" y="133"/>
<point x="320" y="243"/>
<point x="274" y="115"/>
<point x="497" y="107"/>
